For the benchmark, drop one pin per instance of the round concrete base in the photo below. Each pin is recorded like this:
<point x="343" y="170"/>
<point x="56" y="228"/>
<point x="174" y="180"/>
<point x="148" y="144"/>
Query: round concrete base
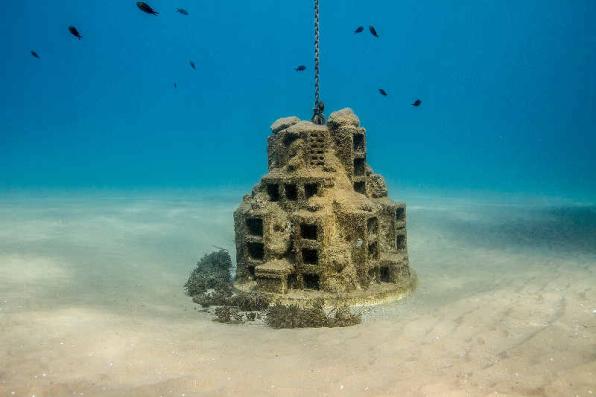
<point x="376" y="293"/>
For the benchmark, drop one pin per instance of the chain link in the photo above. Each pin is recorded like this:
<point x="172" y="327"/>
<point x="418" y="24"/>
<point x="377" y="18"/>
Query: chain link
<point x="318" y="117"/>
<point x="316" y="53"/>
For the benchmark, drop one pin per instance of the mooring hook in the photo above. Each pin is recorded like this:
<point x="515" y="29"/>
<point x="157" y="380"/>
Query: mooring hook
<point x="318" y="116"/>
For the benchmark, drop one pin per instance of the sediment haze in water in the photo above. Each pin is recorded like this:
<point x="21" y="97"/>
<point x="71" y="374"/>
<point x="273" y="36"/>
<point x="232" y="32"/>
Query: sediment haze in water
<point x="91" y="303"/>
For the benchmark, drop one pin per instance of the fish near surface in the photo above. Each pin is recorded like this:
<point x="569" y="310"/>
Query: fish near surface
<point x="383" y="92"/>
<point x="75" y="32"/>
<point x="417" y="103"/>
<point x="359" y="29"/>
<point x="181" y="11"/>
<point x="146" y="8"/>
<point x="300" y="68"/>
<point x="35" y="54"/>
<point x="373" y="31"/>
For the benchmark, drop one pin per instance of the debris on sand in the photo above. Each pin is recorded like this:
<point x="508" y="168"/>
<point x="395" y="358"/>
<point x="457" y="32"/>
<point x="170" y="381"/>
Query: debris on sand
<point x="228" y="314"/>
<point x="210" y="285"/>
<point x="313" y="316"/>
<point x="211" y="272"/>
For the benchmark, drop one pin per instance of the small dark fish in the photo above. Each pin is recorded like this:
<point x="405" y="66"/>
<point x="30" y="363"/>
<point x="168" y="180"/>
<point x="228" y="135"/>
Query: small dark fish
<point x="373" y="31"/>
<point x="417" y="103"/>
<point x="181" y="11"/>
<point x="383" y="92"/>
<point x="300" y="68"/>
<point x="35" y="54"/>
<point x="192" y="65"/>
<point x="359" y="29"/>
<point x="75" y="32"/>
<point x="146" y="8"/>
<point x="175" y="85"/>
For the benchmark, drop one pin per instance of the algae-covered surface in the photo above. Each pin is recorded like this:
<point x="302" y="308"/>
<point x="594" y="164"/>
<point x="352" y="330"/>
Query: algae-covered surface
<point x="92" y="303"/>
<point x="320" y="223"/>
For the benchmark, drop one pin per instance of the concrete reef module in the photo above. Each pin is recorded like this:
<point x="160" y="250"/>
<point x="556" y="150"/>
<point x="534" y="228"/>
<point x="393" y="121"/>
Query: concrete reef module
<point x="320" y="223"/>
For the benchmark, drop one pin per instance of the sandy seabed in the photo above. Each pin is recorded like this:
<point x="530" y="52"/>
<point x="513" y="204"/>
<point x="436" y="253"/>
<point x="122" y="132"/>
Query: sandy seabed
<point x="91" y="303"/>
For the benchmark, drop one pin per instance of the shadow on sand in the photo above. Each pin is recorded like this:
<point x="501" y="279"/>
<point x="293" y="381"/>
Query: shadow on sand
<point x="565" y="229"/>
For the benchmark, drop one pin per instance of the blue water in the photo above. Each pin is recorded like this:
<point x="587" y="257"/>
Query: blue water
<point x="113" y="184"/>
<point x="508" y="91"/>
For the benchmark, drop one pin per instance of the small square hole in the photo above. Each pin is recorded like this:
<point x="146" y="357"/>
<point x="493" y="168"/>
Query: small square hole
<point x="289" y="139"/>
<point x="358" y="142"/>
<point x="273" y="191"/>
<point x="373" y="250"/>
<point x="310" y="256"/>
<point x="292" y="281"/>
<point x="359" y="167"/>
<point x="308" y="231"/>
<point x="385" y="274"/>
<point x="400" y="214"/>
<point x="310" y="189"/>
<point x="291" y="192"/>
<point x="254" y="226"/>
<point x="360" y="187"/>
<point x="372" y="226"/>
<point x="256" y="250"/>
<point x="311" y="281"/>
<point x="400" y="242"/>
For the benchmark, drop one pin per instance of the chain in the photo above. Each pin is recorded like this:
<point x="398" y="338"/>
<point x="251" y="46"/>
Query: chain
<point x="318" y="117"/>
<point x="316" y="53"/>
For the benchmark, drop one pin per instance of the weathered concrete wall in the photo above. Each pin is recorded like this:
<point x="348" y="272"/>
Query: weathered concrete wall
<point x="320" y="218"/>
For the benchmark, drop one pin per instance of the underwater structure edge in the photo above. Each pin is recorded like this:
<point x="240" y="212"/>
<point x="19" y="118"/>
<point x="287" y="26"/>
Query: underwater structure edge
<point x="320" y="224"/>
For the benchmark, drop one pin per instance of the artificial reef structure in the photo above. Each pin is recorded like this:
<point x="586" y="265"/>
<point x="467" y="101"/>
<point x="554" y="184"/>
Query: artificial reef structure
<point x="320" y="223"/>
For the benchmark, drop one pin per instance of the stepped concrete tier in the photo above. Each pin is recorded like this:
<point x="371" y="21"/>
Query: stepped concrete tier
<point x="320" y="224"/>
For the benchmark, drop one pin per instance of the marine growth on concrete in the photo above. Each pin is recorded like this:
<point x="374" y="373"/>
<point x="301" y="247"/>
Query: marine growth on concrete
<point x="320" y="223"/>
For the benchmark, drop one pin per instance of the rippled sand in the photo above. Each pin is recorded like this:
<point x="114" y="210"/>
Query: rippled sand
<point x="91" y="304"/>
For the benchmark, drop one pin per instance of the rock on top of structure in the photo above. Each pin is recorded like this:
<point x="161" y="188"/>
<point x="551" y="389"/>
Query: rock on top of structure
<point x="319" y="224"/>
<point x="344" y="116"/>
<point x="283" y="123"/>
